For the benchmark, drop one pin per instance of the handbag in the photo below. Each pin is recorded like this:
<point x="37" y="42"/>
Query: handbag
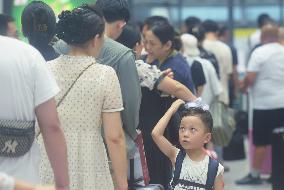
<point x="223" y="123"/>
<point x="17" y="137"/>
<point x="235" y="150"/>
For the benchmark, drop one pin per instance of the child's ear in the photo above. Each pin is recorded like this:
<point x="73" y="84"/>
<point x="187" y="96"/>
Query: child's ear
<point x="208" y="137"/>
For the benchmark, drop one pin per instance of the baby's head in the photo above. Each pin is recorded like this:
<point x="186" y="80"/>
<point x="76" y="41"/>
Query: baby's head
<point x="195" y="127"/>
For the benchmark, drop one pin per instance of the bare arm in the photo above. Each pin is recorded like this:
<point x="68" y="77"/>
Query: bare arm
<point x="199" y="90"/>
<point x="20" y="185"/>
<point x="115" y="141"/>
<point x="158" y="132"/>
<point x="54" y="142"/>
<point x="176" y="89"/>
<point x="248" y="80"/>
<point x="219" y="183"/>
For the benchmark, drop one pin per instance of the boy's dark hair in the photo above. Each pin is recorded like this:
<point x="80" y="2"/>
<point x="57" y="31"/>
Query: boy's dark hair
<point x="210" y="26"/>
<point x="78" y="26"/>
<point x="263" y="19"/>
<point x="38" y="23"/>
<point x="152" y="20"/>
<point x="113" y="10"/>
<point x="4" y="20"/>
<point x="191" y="22"/>
<point x="130" y="35"/>
<point x="204" y="115"/>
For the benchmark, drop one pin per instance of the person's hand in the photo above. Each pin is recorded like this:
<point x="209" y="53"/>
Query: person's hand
<point x="174" y="107"/>
<point x="169" y="73"/>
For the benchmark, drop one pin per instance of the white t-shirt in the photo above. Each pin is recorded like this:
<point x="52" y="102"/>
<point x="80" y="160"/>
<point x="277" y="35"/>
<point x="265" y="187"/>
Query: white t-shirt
<point x="6" y="182"/>
<point x="254" y="39"/>
<point x="224" y="56"/>
<point x="268" y="89"/>
<point x="196" y="171"/>
<point x="213" y="87"/>
<point x="25" y="83"/>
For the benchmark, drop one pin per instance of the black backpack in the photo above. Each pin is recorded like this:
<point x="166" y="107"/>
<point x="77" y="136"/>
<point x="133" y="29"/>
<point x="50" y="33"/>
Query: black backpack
<point x="211" y="174"/>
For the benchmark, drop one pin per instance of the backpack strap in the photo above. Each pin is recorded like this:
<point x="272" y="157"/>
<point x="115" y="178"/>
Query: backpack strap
<point x="178" y="165"/>
<point x="212" y="172"/>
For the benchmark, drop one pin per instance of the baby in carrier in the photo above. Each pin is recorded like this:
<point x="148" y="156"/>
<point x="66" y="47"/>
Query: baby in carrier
<point x="193" y="168"/>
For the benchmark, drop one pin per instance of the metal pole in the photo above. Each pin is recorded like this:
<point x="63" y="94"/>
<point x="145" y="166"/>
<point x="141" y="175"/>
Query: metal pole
<point x="281" y="12"/>
<point x="231" y="19"/>
<point x="1" y="6"/>
<point x="180" y="5"/>
<point x="243" y="12"/>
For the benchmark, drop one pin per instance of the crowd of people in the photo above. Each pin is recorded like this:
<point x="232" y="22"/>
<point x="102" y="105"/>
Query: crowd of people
<point x="73" y="100"/>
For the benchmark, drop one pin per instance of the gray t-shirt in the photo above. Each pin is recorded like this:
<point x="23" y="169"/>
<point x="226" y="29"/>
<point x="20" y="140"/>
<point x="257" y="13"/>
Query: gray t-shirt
<point x="122" y="60"/>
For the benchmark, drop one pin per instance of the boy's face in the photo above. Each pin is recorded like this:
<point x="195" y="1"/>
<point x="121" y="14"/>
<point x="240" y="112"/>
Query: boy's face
<point x="193" y="133"/>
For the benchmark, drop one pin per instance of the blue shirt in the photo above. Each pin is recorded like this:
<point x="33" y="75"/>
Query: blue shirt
<point x="180" y="68"/>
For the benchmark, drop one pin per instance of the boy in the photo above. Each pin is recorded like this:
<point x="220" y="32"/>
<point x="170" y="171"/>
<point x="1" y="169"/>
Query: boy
<point x="194" y="169"/>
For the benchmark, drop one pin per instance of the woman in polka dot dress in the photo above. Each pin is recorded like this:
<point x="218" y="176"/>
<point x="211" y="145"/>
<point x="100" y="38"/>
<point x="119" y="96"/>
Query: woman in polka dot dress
<point x="90" y="97"/>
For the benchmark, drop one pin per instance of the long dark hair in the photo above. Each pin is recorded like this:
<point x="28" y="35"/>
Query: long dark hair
<point x="38" y="23"/>
<point x="164" y="32"/>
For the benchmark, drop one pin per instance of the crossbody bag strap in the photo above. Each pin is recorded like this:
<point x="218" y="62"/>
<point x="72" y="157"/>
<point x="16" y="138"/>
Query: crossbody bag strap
<point x="71" y="86"/>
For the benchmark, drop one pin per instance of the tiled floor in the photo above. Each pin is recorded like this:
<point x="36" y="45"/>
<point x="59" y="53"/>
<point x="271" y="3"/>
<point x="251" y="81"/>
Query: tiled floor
<point x="239" y="169"/>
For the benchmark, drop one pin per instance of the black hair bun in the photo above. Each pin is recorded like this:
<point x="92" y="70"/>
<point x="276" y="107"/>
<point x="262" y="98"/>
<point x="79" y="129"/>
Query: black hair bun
<point x="80" y="25"/>
<point x="73" y="28"/>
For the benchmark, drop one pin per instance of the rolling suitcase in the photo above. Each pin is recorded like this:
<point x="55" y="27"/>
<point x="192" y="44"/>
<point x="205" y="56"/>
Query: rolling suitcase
<point x="137" y="185"/>
<point x="277" y="159"/>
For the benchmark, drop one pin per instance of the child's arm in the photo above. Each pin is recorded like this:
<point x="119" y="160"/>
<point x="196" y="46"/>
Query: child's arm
<point x="158" y="132"/>
<point x="219" y="182"/>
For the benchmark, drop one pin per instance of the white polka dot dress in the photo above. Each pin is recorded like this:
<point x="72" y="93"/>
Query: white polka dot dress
<point x="80" y="113"/>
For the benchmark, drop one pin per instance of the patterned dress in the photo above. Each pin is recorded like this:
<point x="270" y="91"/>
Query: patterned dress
<point x="97" y="90"/>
